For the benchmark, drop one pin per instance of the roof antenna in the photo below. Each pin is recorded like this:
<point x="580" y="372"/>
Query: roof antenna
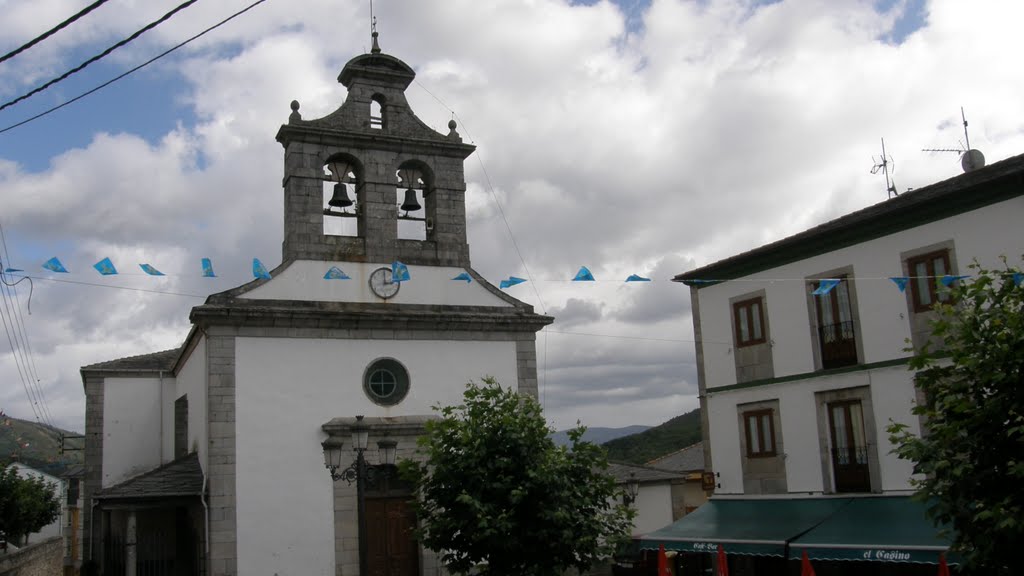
<point x="970" y="159"/>
<point x="883" y="165"/>
<point x="373" y="31"/>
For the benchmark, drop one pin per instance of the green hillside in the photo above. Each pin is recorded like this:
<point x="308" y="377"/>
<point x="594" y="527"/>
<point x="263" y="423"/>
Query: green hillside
<point x="37" y="445"/>
<point x="677" y="433"/>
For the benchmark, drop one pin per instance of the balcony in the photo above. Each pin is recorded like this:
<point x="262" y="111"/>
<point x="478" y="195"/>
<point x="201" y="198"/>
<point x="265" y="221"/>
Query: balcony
<point x="838" y="345"/>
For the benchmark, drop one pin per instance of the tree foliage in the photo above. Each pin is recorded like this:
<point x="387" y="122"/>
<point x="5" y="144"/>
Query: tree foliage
<point x="26" y="504"/>
<point x="498" y="497"/>
<point x="970" y="459"/>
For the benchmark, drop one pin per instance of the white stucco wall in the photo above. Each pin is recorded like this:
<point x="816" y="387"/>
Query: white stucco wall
<point x="892" y="395"/>
<point x="984" y="234"/>
<point x="191" y="380"/>
<point x="132" y="426"/>
<point x="285" y="389"/>
<point x="304" y="280"/>
<point x="653" y="507"/>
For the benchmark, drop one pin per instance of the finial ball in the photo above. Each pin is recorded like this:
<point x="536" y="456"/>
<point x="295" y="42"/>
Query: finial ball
<point x="295" y="105"/>
<point x="451" y="124"/>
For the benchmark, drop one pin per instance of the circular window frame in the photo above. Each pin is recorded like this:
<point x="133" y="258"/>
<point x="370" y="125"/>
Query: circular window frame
<point x="401" y="381"/>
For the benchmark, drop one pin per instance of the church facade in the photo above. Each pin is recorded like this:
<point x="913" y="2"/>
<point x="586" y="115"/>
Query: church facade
<point x="213" y="451"/>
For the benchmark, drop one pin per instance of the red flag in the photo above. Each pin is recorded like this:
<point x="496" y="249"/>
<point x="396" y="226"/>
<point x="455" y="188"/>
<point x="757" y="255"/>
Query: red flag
<point x="723" y="565"/>
<point x="805" y="566"/>
<point x="943" y="568"/>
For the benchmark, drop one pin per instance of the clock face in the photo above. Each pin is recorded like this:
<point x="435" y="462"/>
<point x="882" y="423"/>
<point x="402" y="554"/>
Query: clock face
<point x="381" y="284"/>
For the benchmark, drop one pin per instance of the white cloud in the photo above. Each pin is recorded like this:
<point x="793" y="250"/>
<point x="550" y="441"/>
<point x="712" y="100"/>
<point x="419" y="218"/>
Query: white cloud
<point x="710" y="128"/>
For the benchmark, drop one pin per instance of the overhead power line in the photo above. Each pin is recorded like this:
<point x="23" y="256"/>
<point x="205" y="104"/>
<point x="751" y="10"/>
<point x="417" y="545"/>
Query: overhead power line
<point x="137" y="68"/>
<point x="101" y="55"/>
<point x="52" y="31"/>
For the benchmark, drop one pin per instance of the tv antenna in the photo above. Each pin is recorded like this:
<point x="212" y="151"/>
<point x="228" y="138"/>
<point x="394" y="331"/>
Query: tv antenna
<point x="884" y="164"/>
<point x="970" y="159"/>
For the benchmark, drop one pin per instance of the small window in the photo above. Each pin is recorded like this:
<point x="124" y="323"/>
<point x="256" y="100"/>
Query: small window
<point x="760" y="433"/>
<point x="749" y="318"/>
<point x="386" y="382"/>
<point x="925" y="272"/>
<point x="377" y="112"/>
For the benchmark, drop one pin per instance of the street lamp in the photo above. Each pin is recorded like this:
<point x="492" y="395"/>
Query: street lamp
<point x="632" y="489"/>
<point x="359" y="472"/>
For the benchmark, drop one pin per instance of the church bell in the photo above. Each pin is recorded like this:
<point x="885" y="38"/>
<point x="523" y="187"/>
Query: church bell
<point x="340" y="198"/>
<point x="410" y="204"/>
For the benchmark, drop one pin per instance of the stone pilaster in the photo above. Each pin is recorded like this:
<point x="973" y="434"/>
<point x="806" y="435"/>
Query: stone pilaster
<point x="220" y="358"/>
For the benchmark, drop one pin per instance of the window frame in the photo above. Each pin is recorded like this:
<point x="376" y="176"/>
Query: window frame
<point x="401" y="381"/>
<point x="745" y="308"/>
<point x="758" y="416"/>
<point x="928" y="259"/>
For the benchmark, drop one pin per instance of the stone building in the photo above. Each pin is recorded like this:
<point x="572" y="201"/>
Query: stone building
<point x="214" y="448"/>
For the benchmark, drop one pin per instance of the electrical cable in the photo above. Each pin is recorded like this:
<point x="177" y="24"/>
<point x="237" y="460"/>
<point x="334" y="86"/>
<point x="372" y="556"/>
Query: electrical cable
<point x="52" y="31"/>
<point x="22" y="328"/>
<point x="135" y="69"/>
<point x="490" y="188"/>
<point x="101" y="55"/>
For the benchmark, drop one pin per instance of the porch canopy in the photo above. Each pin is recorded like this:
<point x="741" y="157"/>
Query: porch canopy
<point x="758" y="526"/>
<point x="873" y="528"/>
<point x="883" y="528"/>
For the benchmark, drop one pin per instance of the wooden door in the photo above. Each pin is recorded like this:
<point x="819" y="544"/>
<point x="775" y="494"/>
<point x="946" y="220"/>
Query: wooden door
<point x="391" y="550"/>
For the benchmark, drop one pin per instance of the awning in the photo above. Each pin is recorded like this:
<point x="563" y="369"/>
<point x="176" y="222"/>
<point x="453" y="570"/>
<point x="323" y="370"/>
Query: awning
<point x="883" y="529"/>
<point x="759" y="526"/>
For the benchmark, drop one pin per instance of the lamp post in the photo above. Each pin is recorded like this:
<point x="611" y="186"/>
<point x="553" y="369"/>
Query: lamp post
<point x="632" y="489"/>
<point x="359" y="472"/>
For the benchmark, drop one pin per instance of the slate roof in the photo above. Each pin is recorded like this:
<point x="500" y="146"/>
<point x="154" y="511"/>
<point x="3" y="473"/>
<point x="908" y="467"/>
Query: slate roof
<point x="984" y="186"/>
<point x="154" y="361"/>
<point x="181" y="477"/>
<point x="689" y="459"/>
<point x="622" y="472"/>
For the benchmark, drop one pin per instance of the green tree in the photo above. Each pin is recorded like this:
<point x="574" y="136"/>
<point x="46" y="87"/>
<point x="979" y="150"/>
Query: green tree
<point x="970" y="458"/>
<point x="26" y="505"/>
<point x="498" y="497"/>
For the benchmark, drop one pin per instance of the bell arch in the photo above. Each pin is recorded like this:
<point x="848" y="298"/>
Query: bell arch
<point x="416" y="209"/>
<point x="342" y="194"/>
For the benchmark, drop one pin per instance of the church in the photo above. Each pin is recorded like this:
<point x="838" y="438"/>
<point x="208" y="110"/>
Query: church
<point x="225" y="456"/>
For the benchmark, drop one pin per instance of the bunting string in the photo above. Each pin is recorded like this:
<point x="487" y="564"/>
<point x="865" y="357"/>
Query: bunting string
<point x="400" y="273"/>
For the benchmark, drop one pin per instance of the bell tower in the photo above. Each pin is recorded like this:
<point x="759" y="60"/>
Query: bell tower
<point x="383" y="166"/>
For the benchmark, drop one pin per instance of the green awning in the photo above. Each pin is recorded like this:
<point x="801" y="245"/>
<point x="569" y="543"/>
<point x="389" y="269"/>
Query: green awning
<point x="759" y="526"/>
<point x="883" y="529"/>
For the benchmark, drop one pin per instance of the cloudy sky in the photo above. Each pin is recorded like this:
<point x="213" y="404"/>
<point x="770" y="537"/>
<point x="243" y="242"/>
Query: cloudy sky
<point x="636" y="136"/>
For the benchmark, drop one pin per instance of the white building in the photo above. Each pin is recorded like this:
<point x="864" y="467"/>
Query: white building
<point x="207" y="458"/>
<point x="59" y="487"/>
<point x="797" y="388"/>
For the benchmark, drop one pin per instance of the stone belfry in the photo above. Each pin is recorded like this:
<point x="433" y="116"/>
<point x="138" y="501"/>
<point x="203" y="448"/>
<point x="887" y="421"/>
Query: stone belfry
<point x="384" y="155"/>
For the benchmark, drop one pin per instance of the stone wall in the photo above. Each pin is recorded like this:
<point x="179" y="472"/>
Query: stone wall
<point x="43" y="559"/>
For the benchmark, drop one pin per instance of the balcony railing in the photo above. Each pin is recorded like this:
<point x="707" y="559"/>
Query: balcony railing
<point x="838" y="345"/>
<point x="850" y="455"/>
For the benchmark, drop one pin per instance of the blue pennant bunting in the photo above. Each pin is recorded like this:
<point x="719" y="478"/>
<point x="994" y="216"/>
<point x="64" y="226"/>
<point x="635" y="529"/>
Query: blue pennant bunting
<point x="399" y="272"/>
<point x="335" y="273"/>
<point x="208" y="269"/>
<point x="583" y="275"/>
<point x="150" y="270"/>
<point x="9" y="270"/>
<point x="1018" y="278"/>
<point x="105" y="267"/>
<point x="259" y="270"/>
<point x="464" y="276"/>
<point x="512" y="281"/>
<point x="635" y="278"/>
<point x="948" y="279"/>
<point x="54" y="265"/>
<point x="825" y="286"/>
<point x="900" y="282"/>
